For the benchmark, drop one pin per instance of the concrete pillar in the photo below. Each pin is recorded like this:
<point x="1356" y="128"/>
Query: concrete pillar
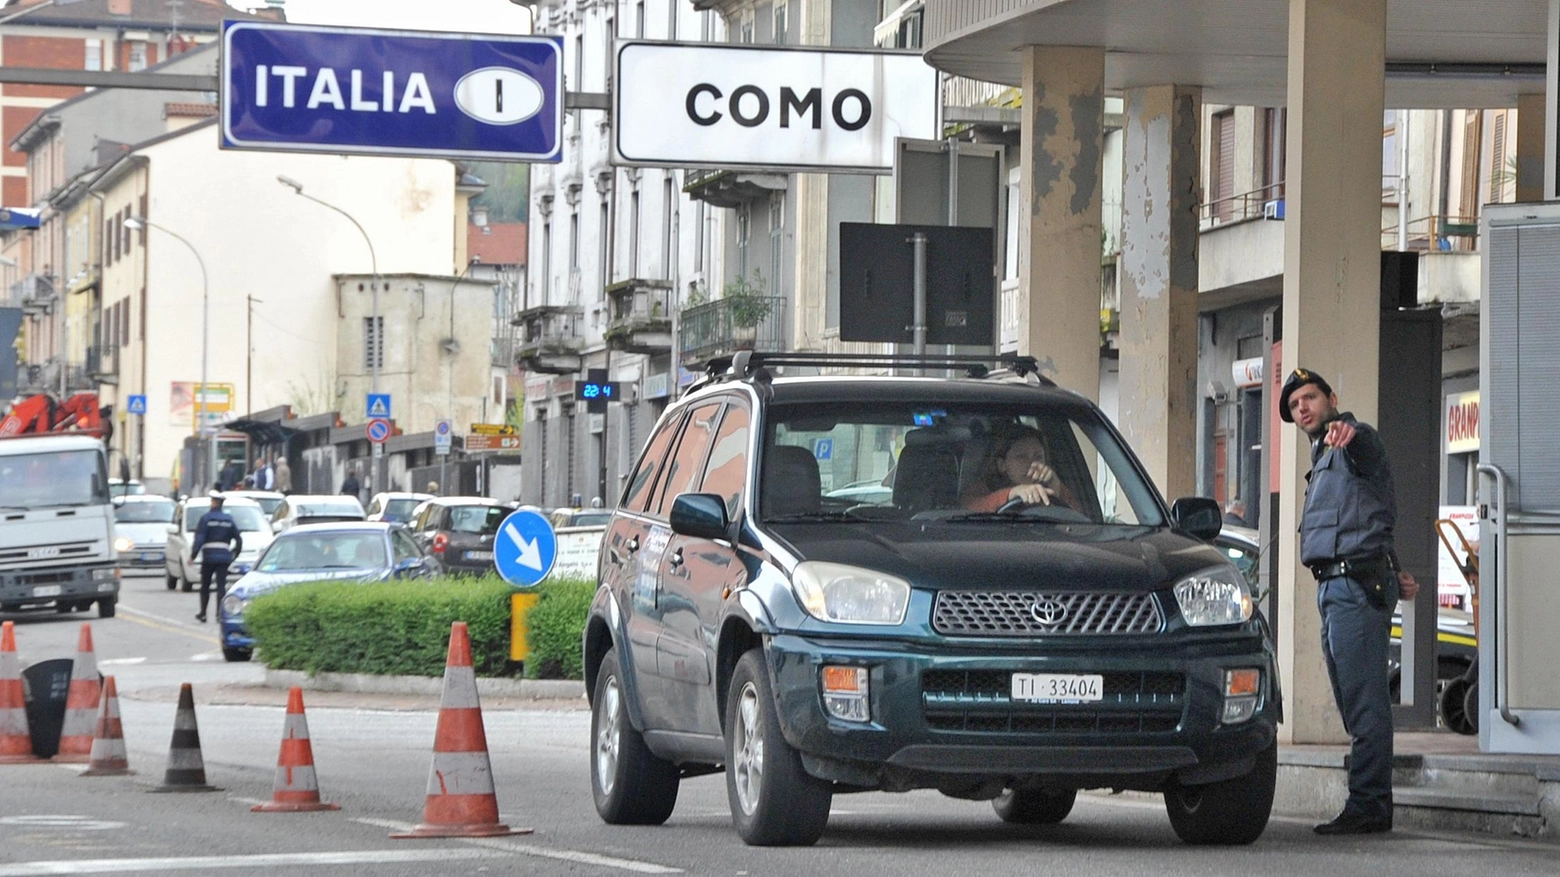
<point x="1332" y="291"/>
<point x="1530" y="147"/>
<point x="1059" y="233"/>
<point x="1158" y="265"/>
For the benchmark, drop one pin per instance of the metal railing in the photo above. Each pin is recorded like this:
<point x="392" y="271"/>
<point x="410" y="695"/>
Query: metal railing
<point x="1266" y="201"/>
<point x="708" y="329"/>
<point x="1436" y="234"/>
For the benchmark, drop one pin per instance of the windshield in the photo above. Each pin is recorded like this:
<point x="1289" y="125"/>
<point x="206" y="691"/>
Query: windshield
<point x="144" y="512"/>
<point x="293" y="552"/>
<point x="61" y="478"/>
<point x="248" y="518"/>
<point x="480" y="519"/>
<point x="400" y="509"/>
<point x="950" y="462"/>
<point x="126" y="488"/>
<point x="267" y="504"/>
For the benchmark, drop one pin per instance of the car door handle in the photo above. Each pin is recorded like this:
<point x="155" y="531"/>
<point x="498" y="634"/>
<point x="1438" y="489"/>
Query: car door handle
<point x="676" y="559"/>
<point x="632" y="545"/>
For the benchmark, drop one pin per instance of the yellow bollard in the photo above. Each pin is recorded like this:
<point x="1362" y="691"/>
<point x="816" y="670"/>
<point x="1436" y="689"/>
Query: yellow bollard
<point x="520" y="604"/>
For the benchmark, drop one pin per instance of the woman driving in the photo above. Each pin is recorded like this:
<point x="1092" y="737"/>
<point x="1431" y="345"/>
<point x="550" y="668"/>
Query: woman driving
<point x="1018" y="471"/>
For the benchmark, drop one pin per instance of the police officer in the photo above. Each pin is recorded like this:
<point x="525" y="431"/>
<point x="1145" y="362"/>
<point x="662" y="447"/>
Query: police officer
<point x="1346" y="541"/>
<point x="217" y="542"/>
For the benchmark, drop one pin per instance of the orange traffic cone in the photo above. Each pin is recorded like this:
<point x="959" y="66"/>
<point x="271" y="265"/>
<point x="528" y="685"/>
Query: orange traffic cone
<point x="297" y="789"/>
<point x="81" y="702"/>
<point x="186" y="768"/>
<point x="461" y="801"/>
<point x="15" y="739"/>
<point x="109" y="758"/>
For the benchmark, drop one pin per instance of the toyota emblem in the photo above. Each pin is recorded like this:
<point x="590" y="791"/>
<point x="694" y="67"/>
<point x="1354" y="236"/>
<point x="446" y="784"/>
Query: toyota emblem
<point x="1048" y="612"/>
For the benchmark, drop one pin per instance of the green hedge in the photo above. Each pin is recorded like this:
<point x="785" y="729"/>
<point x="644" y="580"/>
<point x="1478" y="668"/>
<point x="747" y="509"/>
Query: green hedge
<point x="556" y="630"/>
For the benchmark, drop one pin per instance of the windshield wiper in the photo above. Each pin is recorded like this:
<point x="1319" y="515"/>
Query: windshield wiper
<point x="840" y="515"/>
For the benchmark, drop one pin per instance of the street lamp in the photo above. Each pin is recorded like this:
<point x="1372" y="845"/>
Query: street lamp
<point x="378" y="332"/>
<point x="139" y="223"/>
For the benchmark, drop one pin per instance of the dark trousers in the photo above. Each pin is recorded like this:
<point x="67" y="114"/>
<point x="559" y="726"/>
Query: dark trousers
<point x="212" y="570"/>
<point x="1355" y="636"/>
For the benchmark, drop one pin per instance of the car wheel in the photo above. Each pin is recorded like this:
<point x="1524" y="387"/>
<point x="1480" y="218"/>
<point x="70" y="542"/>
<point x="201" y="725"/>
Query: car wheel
<point x="185" y="584"/>
<point x="1227" y="813"/>
<point x="106" y="607"/>
<point x="171" y="581"/>
<point x="1034" y="806"/>
<point x="236" y="655"/>
<point x="1454" y="707"/>
<point x="630" y="784"/>
<point x="774" y="801"/>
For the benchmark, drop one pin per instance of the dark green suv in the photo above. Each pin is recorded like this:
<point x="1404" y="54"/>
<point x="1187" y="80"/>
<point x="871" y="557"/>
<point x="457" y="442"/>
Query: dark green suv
<point x="1024" y="618"/>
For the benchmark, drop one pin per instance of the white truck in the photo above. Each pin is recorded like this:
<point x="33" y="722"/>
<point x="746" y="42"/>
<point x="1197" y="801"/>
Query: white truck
<point x="56" y="525"/>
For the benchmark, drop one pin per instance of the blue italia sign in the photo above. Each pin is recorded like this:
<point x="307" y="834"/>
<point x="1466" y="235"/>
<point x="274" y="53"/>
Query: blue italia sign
<point x="304" y="88"/>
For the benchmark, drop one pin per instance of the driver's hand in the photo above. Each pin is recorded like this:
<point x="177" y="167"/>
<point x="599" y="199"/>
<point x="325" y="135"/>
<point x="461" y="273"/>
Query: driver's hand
<point x="1032" y="494"/>
<point x="1040" y="473"/>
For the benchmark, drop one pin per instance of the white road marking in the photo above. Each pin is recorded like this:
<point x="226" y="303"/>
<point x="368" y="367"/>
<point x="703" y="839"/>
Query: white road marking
<point x="206" y="863"/>
<point x="117" y="662"/>
<point x="524" y="849"/>
<point x="50" y="820"/>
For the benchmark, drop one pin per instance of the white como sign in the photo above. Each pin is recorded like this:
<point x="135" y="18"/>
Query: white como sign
<point x="736" y="106"/>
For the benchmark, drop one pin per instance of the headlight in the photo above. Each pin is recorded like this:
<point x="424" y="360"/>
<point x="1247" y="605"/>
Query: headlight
<point x="1215" y="596"/>
<point x="850" y="594"/>
<point x="234" y="605"/>
<point x="124" y="544"/>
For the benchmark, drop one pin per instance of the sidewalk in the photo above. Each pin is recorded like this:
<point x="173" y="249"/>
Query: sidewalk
<point x="1441" y="781"/>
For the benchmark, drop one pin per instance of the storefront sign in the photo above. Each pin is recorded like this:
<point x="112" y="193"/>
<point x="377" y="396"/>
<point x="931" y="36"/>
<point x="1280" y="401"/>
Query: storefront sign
<point x="743" y="106"/>
<point x="1247" y="372"/>
<point x="1462" y="423"/>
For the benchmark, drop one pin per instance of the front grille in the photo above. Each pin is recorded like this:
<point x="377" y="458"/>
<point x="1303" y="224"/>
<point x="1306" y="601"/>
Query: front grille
<point x="1042" y="613"/>
<point x="981" y="701"/>
<point x="47" y="554"/>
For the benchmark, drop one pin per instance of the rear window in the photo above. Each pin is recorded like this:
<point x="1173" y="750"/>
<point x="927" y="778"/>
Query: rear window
<point x="480" y="519"/>
<point x="337" y="510"/>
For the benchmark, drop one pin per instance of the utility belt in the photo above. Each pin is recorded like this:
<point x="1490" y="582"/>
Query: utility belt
<point x="1376" y="575"/>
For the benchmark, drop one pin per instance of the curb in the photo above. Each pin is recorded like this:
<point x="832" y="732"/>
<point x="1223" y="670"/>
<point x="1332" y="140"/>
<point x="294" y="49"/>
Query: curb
<point x="363" y="683"/>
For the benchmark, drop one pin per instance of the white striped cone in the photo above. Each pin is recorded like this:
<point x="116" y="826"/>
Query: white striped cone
<point x="81" y="702"/>
<point x="297" y="789"/>
<point x="461" y="800"/>
<point x="109" y="758"/>
<point x="186" y="768"/>
<point x="15" y="737"/>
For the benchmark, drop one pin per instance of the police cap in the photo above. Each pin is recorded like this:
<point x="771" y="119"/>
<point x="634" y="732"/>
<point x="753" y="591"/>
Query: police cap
<point x="1297" y="379"/>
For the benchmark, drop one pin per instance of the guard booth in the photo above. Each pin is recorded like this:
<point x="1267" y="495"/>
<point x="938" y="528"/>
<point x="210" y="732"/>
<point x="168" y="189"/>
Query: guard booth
<point x="1519" y="479"/>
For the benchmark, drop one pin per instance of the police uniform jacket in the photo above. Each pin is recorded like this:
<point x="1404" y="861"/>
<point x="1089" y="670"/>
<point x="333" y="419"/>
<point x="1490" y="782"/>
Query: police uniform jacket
<point x="213" y="535"/>
<point x="1350" y="503"/>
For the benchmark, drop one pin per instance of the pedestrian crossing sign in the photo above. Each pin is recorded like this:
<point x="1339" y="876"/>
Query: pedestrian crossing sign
<point x="379" y="405"/>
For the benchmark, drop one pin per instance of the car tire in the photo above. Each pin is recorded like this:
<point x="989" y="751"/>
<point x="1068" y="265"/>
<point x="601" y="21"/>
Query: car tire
<point x="774" y="801"/>
<point x="1034" y="806"/>
<point x="172" y="582"/>
<point x="106" y="607"/>
<point x="64" y="607"/>
<point x="1233" y="812"/>
<point x="185" y="584"/>
<point x="1454" y="702"/>
<point x="630" y="784"/>
<point x="235" y="656"/>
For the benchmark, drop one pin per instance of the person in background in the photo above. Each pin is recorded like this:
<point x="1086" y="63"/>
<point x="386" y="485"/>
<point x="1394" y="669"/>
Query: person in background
<point x="263" y="476"/>
<point x="1346" y="540"/>
<point x="1235" y="513"/>
<point x="283" y="472"/>
<point x="350" y="485"/>
<point x="217" y="542"/>
<point x="433" y="488"/>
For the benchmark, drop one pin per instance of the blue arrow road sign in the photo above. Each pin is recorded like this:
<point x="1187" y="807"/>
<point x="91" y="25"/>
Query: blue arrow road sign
<point x="379" y="405"/>
<point x="525" y="548"/>
<point x="304" y="88"/>
<point x="136" y="404"/>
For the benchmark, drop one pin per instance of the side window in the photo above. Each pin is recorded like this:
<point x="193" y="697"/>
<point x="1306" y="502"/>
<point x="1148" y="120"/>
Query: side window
<point x="280" y="514"/>
<point x="726" y="473"/>
<point x="403" y="546"/>
<point x="636" y="497"/>
<point x="685" y="468"/>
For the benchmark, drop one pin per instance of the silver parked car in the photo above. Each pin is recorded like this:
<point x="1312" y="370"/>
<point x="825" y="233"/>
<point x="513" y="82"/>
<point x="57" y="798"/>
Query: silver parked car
<point x="141" y="531"/>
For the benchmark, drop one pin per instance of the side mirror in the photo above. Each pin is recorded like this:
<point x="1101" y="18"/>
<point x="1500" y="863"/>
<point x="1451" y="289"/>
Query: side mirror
<point x="700" y="515"/>
<point x="409" y="566"/>
<point x="172" y="530"/>
<point x="1198" y="516"/>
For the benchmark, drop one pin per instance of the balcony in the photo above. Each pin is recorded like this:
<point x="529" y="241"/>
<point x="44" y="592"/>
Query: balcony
<point x="708" y="330"/>
<point x="731" y="188"/>
<point x="551" y="339"/>
<point x="103" y="363"/>
<point x="641" y="316"/>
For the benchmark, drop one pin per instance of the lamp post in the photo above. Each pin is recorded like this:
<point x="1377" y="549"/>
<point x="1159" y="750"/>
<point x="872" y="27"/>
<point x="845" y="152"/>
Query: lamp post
<point x="378" y="333"/>
<point x="137" y="223"/>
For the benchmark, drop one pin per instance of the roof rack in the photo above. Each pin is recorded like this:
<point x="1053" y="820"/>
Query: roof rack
<point x="751" y="364"/>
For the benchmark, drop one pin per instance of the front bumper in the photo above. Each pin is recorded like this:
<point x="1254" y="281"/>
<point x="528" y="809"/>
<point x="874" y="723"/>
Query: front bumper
<point x="51" y="585"/>
<point x="234" y="634"/>
<point x="142" y="558"/>
<point x="944" y="714"/>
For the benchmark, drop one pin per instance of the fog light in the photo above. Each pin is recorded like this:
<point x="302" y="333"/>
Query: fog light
<point x="107" y="573"/>
<point x="1241" y="682"/>
<point x="1239" y="709"/>
<point x="845" y="693"/>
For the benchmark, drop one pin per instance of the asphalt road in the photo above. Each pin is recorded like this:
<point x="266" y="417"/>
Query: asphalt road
<point x="373" y="754"/>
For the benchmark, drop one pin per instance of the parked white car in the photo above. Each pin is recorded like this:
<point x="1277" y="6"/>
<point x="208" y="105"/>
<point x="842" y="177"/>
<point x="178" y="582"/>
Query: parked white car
<point x="268" y="499"/>
<point x="396" y="507"/>
<point x="316" y="509"/>
<point x="181" y="569"/>
<point x="141" y="531"/>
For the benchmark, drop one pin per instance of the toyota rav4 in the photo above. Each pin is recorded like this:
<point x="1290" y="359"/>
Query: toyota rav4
<point x="751" y="618"/>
